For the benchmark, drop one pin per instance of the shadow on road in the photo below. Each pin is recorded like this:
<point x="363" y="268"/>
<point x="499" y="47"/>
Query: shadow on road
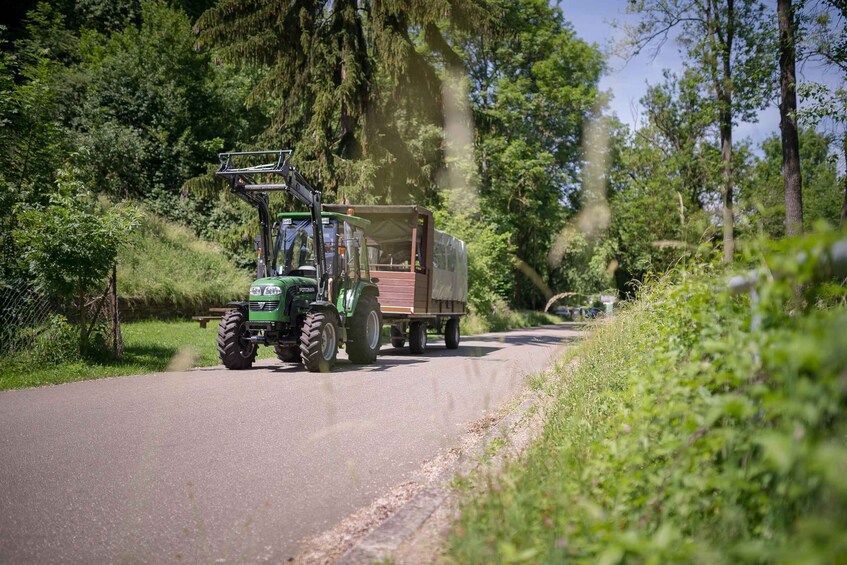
<point x="390" y="357"/>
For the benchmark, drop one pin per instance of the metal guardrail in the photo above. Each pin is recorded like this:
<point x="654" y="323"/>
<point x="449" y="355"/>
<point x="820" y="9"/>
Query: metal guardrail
<point x="832" y="264"/>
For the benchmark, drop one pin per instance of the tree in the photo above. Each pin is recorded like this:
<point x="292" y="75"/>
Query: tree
<point x="70" y="245"/>
<point x="33" y="139"/>
<point x="729" y="46"/>
<point x="792" y="179"/>
<point x="533" y="90"/>
<point x="823" y="40"/>
<point x="151" y="111"/>
<point x="763" y="199"/>
<point x="354" y="94"/>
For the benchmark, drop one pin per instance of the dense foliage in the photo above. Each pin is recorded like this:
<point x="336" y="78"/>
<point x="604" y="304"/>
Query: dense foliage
<point x="485" y="110"/>
<point x="696" y="426"/>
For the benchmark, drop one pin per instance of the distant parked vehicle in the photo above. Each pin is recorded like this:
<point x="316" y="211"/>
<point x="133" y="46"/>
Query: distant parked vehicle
<point x="594" y="312"/>
<point x="564" y="312"/>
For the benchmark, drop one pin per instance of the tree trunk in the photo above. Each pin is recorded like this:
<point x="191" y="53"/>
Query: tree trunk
<point x="724" y="95"/>
<point x="792" y="180"/>
<point x="726" y="157"/>
<point x="844" y="206"/>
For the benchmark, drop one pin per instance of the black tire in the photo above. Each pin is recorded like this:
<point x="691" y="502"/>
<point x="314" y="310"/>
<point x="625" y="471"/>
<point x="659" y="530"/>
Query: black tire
<point x="319" y="342"/>
<point x="235" y="350"/>
<point x="451" y="333"/>
<point x="417" y="337"/>
<point x="398" y="340"/>
<point x="287" y="353"/>
<point x="365" y="332"/>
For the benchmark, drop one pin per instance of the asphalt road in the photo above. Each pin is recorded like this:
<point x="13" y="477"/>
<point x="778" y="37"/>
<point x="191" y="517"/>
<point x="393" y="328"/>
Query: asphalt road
<point x="211" y="465"/>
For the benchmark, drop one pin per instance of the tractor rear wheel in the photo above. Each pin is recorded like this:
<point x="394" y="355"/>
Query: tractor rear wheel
<point x="287" y="353"/>
<point x="451" y="333"/>
<point x="234" y="345"/>
<point x="365" y="331"/>
<point x="398" y="340"/>
<point x="319" y="341"/>
<point x="417" y="337"/>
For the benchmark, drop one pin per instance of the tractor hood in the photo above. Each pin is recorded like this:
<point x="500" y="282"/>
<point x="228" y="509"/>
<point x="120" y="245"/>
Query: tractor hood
<point x="271" y="297"/>
<point x="268" y="286"/>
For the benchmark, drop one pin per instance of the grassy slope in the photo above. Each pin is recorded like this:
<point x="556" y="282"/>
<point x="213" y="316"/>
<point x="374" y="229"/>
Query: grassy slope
<point x="167" y="263"/>
<point x="680" y="435"/>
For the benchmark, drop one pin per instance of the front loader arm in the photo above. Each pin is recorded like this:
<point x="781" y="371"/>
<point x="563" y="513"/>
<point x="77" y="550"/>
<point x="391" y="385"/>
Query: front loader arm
<point x="243" y="183"/>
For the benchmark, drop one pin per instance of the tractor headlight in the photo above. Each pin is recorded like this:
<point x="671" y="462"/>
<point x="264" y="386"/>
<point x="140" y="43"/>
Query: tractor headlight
<point x="256" y="290"/>
<point x="272" y="290"/>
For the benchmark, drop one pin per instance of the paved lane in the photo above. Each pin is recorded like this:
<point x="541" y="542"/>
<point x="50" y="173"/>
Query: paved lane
<point x="215" y="465"/>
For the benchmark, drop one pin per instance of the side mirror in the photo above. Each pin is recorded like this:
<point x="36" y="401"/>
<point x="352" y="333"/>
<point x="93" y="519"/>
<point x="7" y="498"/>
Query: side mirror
<point x="374" y="280"/>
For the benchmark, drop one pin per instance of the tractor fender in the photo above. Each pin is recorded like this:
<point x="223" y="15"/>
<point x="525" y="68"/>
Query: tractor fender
<point x="361" y="290"/>
<point x="245" y="306"/>
<point x="323" y="306"/>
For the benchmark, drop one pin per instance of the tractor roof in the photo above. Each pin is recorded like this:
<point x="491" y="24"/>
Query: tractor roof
<point x="356" y="221"/>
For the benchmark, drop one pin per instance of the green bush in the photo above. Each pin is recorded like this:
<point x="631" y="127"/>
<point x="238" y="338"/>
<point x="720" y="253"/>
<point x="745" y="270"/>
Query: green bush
<point x="680" y="434"/>
<point x="53" y="342"/>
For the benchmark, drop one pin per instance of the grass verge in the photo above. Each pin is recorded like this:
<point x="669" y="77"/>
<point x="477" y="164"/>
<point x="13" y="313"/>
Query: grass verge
<point x="506" y="319"/>
<point x="149" y="347"/>
<point x="681" y="435"/>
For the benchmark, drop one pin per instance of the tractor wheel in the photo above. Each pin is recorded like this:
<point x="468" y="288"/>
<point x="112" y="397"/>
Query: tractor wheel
<point x="234" y="345"/>
<point x="417" y="337"/>
<point x="451" y="333"/>
<point x="365" y="331"/>
<point x="319" y="341"/>
<point x="398" y="340"/>
<point x="287" y="353"/>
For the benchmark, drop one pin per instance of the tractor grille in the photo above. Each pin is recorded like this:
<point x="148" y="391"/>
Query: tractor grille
<point x="264" y="306"/>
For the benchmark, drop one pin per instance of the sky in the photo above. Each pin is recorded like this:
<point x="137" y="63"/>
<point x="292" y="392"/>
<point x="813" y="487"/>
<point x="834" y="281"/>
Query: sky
<point x="627" y="81"/>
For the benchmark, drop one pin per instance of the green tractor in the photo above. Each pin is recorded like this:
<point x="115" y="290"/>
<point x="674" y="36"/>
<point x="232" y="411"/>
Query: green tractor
<point x="313" y="291"/>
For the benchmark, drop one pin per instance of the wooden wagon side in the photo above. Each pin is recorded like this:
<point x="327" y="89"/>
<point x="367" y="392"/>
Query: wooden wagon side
<point x="401" y="244"/>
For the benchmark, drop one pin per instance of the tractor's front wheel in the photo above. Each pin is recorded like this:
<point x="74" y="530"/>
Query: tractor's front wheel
<point x="234" y="345"/>
<point x="365" y="330"/>
<point x="287" y="353"/>
<point x="319" y="342"/>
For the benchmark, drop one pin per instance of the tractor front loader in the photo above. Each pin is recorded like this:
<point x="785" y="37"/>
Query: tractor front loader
<point x="313" y="291"/>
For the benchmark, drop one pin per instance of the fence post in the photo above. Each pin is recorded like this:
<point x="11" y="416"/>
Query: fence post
<point x="117" y="338"/>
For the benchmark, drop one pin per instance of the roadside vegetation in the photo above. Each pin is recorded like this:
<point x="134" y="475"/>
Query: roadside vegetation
<point x="155" y="345"/>
<point x="504" y="319"/>
<point x="166" y="263"/>
<point x="679" y="433"/>
<point x="149" y="347"/>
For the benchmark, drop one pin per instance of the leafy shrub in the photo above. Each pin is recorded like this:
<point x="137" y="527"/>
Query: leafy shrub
<point x="681" y="434"/>
<point x="52" y="342"/>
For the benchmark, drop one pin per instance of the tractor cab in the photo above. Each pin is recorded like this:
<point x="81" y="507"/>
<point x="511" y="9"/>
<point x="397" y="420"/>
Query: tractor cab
<point x="343" y="239"/>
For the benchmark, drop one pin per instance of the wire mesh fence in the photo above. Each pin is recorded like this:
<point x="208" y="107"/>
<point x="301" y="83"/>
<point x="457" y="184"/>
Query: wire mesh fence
<point x="30" y="319"/>
<point x="25" y="312"/>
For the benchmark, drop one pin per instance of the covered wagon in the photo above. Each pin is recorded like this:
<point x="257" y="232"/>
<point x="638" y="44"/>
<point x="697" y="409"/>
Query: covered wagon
<point x="421" y="273"/>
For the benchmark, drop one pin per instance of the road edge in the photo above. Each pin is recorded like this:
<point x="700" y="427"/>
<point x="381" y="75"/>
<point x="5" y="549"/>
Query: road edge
<point x="414" y="533"/>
